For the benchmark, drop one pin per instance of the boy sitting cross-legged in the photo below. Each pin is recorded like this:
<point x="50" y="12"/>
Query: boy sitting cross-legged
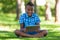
<point x="30" y="18"/>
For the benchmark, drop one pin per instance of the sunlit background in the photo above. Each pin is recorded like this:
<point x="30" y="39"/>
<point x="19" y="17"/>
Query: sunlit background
<point x="47" y="10"/>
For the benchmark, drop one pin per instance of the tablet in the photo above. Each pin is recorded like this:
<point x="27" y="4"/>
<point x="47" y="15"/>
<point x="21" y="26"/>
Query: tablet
<point x="32" y="28"/>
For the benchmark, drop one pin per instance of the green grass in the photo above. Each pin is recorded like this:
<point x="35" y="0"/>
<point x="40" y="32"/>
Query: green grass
<point x="7" y="21"/>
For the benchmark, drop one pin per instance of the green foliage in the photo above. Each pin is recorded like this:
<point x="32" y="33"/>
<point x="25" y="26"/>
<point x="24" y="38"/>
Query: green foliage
<point x="8" y="5"/>
<point x="41" y="10"/>
<point x="53" y="11"/>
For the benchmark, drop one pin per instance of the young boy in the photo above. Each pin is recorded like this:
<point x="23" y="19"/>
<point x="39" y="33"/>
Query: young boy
<point x="27" y="19"/>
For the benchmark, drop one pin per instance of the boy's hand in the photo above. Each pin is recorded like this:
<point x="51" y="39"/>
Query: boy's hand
<point x="23" y="30"/>
<point x="37" y="30"/>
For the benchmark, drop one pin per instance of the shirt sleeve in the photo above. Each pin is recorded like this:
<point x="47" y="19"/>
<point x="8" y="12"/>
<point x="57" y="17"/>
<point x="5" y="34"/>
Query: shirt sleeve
<point x="37" y="20"/>
<point x="21" y="19"/>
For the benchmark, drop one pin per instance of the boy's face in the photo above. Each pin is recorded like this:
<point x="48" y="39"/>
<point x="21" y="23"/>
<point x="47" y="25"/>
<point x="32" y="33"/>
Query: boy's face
<point x="29" y="10"/>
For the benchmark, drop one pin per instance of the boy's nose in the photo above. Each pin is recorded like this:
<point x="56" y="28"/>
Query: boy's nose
<point x="30" y="11"/>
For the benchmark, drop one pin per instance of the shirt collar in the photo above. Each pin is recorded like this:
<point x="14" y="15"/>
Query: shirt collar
<point x="31" y="16"/>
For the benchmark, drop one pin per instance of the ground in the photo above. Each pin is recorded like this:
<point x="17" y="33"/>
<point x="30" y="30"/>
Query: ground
<point x="8" y="24"/>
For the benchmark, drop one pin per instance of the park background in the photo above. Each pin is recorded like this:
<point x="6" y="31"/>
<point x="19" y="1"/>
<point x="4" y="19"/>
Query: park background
<point x="48" y="11"/>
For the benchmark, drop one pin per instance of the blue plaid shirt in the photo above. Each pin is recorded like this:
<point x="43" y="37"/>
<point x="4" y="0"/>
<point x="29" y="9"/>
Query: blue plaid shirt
<point x="29" y="21"/>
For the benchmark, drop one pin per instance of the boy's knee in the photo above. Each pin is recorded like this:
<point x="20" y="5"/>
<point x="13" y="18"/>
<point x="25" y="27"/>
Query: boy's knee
<point x="45" y="32"/>
<point x="16" y="31"/>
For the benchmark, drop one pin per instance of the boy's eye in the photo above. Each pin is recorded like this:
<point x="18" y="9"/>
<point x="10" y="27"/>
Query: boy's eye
<point x="30" y="9"/>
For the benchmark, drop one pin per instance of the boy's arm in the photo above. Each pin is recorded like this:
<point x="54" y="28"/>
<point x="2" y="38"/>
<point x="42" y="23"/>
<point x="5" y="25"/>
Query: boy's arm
<point x="38" y="25"/>
<point x="38" y="30"/>
<point x="37" y="21"/>
<point x="22" y="28"/>
<point x="21" y="21"/>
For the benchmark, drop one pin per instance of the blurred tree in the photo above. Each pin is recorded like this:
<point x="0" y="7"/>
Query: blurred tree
<point x="8" y="6"/>
<point x="48" y="11"/>
<point x="57" y="11"/>
<point x="18" y="8"/>
<point x="22" y="7"/>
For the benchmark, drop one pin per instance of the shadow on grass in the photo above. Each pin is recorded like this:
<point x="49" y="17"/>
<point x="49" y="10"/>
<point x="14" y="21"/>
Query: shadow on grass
<point x="50" y="25"/>
<point x="11" y="35"/>
<point x="7" y="34"/>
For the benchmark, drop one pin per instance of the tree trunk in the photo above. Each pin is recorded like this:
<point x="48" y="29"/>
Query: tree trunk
<point x="48" y="11"/>
<point x="22" y="7"/>
<point x="57" y="11"/>
<point x="18" y="9"/>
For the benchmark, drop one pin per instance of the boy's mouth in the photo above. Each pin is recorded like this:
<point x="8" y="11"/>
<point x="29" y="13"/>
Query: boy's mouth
<point x="29" y="14"/>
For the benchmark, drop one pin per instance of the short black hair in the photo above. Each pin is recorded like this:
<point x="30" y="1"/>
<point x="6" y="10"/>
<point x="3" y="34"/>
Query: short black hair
<point x="30" y="4"/>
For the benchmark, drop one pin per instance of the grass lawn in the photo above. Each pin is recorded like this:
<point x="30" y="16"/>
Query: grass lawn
<point x="8" y="25"/>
